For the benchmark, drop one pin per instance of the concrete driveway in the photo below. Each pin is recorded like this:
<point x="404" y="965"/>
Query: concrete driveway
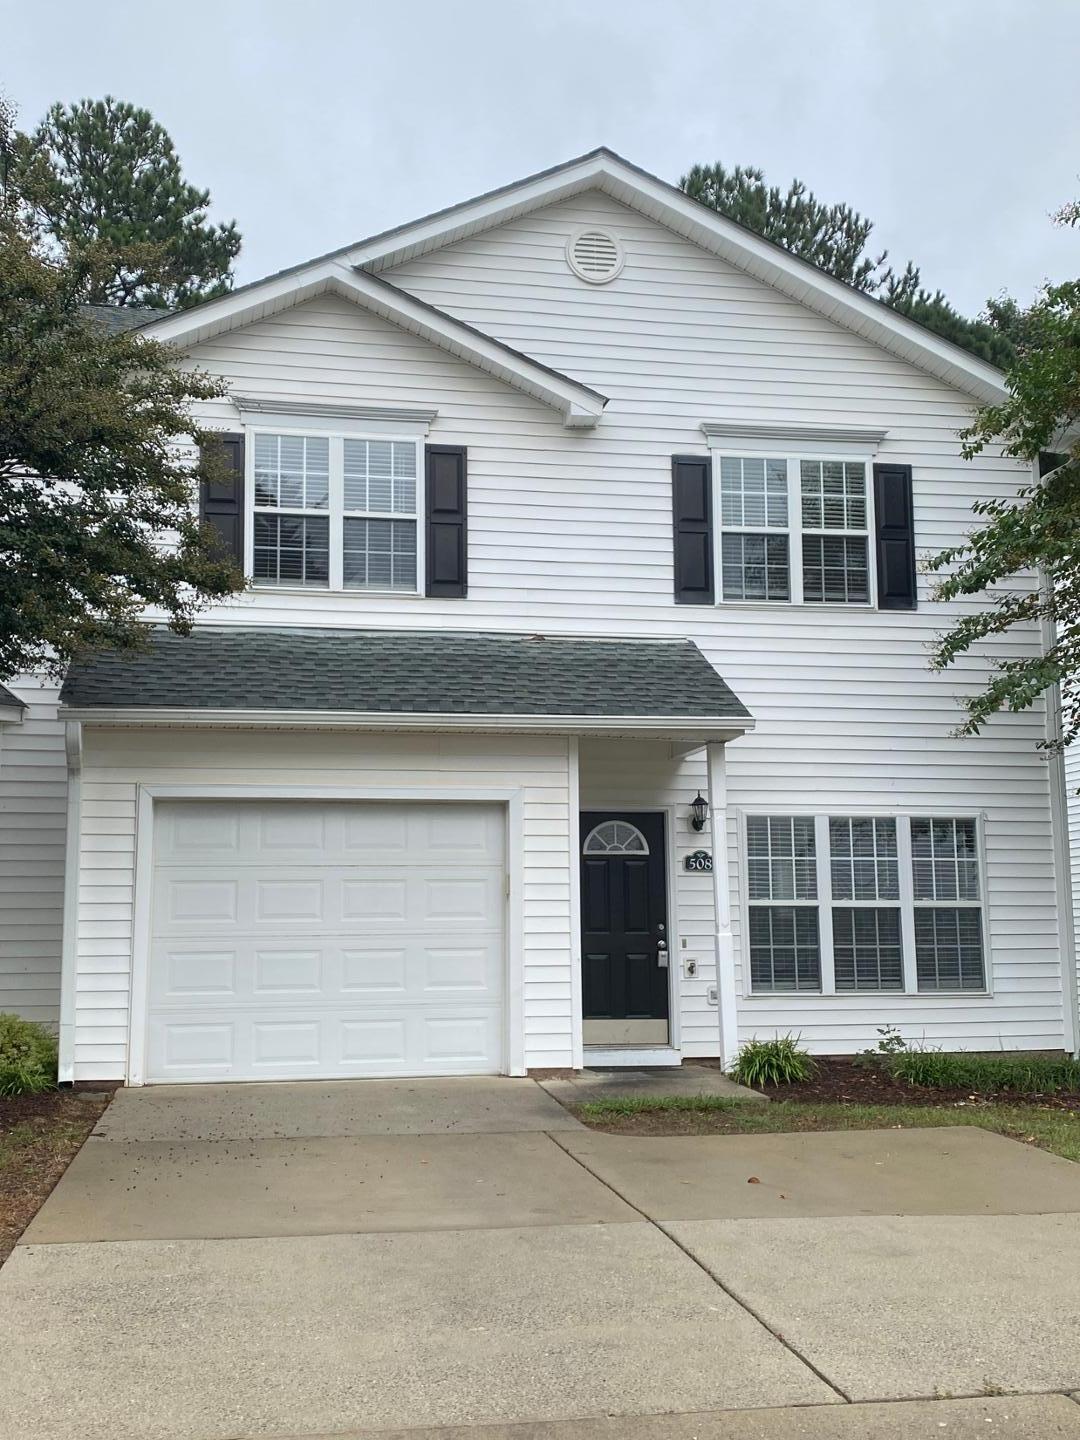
<point x="315" y="1260"/>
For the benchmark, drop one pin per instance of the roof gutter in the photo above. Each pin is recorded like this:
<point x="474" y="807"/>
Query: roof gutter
<point x="660" y="727"/>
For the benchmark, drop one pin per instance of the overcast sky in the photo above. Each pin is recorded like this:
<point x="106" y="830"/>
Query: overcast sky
<point x="953" y="124"/>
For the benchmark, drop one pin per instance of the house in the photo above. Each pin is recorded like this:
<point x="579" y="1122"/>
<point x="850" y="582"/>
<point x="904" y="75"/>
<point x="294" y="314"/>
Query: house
<point x="579" y="709"/>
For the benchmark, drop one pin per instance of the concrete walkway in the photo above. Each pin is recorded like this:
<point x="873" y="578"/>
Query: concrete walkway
<point x="296" y="1260"/>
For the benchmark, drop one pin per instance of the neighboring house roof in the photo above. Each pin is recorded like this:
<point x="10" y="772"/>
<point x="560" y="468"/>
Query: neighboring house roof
<point x="604" y="170"/>
<point x="11" y="707"/>
<point x="118" y="318"/>
<point x="402" y="674"/>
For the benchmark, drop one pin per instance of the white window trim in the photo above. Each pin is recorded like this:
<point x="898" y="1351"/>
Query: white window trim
<point x="729" y="450"/>
<point x="337" y="437"/>
<point x="825" y="903"/>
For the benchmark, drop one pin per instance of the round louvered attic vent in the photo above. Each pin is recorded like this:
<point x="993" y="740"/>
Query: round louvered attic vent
<point x="594" y="255"/>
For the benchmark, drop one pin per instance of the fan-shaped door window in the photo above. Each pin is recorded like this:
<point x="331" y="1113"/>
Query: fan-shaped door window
<point x="615" y="837"/>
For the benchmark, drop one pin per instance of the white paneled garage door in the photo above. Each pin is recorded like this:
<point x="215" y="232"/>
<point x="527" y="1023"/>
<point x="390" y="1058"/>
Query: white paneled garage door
<point x="294" y="939"/>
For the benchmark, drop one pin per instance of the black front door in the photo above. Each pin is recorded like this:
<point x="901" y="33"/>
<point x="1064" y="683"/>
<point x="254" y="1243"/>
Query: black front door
<point x="624" y="928"/>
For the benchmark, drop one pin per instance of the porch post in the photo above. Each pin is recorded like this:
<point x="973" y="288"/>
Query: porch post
<point x="577" y="1051"/>
<point x="725" y="945"/>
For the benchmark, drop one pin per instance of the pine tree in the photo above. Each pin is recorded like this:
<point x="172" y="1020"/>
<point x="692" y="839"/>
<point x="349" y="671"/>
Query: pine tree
<point x="105" y="173"/>
<point x="90" y="473"/>
<point x="835" y="238"/>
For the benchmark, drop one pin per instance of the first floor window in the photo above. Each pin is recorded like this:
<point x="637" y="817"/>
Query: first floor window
<point x="948" y="914"/>
<point x="869" y="892"/>
<point x="785" y="948"/>
<point x="337" y="511"/>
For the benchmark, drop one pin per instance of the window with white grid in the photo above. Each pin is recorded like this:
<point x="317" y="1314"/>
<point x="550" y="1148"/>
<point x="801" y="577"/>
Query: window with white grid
<point x="785" y="950"/>
<point x="864" y="868"/>
<point x="793" y="530"/>
<point x="889" y="903"/>
<point x="291" y="529"/>
<point x="336" y="511"/>
<point x="948" y="907"/>
<point x="380" y="519"/>
<point x="754" y="553"/>
<point x="835" y="542"/>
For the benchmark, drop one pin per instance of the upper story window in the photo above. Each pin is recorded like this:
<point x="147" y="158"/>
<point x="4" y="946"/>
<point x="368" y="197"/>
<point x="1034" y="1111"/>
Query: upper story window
<point x="794" y="530"/>
<point x="337" y="512"/>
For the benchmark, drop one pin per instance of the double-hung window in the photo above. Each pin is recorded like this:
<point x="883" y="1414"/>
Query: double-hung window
<point x="785" y="949"/>
<point x="948" y="910"/>
<point x="794" y="529"/>
<point x="844" y="903"/>
<point x="754" y="553"/>
<point x="835" y="541"/>
<point x="336" y="511"/>
<point x="292" y="510"/>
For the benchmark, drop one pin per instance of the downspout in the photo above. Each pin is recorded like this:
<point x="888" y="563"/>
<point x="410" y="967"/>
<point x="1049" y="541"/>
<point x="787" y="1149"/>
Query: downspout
<point x="1059" y="820"/>
<point x="69" y="950"/>
<point x="1059" y="816"/>
<point x="726" y="997"/>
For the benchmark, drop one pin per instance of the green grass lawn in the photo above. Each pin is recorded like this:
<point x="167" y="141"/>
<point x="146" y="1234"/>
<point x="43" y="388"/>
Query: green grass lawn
<point x="1050" y="1129"/>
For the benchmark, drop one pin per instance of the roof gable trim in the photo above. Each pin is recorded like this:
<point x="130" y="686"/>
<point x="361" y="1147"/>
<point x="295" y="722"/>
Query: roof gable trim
<point x="744" y="248"/>
<point x="579" y="405"/>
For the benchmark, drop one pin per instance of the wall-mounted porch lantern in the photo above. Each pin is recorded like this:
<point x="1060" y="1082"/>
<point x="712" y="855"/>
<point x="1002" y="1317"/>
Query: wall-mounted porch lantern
<point x="699" y="811"/>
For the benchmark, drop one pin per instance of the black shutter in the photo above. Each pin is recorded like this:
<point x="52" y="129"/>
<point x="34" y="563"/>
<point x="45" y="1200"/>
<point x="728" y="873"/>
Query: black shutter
<point x="447" y="527"/>
<point x="691" y="503"/>
<point x="897" y="588"/>
<point x="221" y="501"/>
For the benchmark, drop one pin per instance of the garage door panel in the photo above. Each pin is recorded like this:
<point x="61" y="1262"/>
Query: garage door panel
<point x="338" y="898"/>
<point x="272" y="967"/>
<point x="263" y="1044"/>
<point x="342" y="970"/>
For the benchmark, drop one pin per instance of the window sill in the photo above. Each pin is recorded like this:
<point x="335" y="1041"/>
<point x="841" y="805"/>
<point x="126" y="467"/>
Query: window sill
<point x="813" y="605"/>
<point x="762" y="997"/>
<point x="261" y="588"/>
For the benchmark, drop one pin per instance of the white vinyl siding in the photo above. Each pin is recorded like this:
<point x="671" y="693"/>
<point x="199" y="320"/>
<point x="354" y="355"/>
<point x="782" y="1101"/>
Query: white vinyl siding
<point x="572" y="533"/>
<point x="33" y="804"/>
<point x="117" y="762"/>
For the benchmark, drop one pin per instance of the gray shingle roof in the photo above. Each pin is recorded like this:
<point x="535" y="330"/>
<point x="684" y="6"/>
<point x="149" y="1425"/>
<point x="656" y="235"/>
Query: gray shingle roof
<point x="8" y="701"/>
<point x="118" y="318"/>
<point x="414" y="672"/>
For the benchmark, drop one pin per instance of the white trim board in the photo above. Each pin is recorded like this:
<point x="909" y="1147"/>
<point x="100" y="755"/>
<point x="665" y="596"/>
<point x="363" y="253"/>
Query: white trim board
<point x="602" y="170"/>
<point x="579" y="405"/>
<point x="628" y="1057"/>
<point x="691" y="728"/>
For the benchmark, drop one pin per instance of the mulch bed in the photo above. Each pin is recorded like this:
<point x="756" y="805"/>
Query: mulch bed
<point x="40" y="1135"/>
<point x="839" y="1080"/>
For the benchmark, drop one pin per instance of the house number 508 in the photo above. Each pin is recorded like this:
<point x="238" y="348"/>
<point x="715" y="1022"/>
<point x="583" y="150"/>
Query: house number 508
<point x="699" y="860"/>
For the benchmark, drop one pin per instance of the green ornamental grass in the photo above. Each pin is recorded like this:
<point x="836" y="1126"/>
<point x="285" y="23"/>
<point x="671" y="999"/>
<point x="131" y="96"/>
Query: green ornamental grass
<point x="772" y="1062"/>
<point x="27" y="1057"/>
<point x="1017" y="1074"/>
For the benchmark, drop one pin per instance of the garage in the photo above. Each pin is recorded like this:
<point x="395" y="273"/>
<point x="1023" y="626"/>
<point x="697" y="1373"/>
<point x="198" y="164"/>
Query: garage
<point x="294" y="939"/>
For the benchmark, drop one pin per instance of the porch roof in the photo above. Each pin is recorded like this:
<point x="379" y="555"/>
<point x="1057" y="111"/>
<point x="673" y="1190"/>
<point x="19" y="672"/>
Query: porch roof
<point x="409" y="679"/>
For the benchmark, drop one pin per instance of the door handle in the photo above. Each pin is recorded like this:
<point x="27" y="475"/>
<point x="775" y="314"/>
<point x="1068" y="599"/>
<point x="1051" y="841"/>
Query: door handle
<point x="662" y="954"/>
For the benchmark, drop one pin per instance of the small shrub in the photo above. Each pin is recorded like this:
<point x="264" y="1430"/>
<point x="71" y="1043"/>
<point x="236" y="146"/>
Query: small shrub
<point x="772" y="1062"/>
<point x="890" y="1042"/>
<point x="1018" y="1074"/>
<point x="27" y="1057"/>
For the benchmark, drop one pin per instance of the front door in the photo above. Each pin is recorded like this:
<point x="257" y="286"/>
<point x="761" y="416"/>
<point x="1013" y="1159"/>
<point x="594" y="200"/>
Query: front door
<point x="624" y="940"/>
